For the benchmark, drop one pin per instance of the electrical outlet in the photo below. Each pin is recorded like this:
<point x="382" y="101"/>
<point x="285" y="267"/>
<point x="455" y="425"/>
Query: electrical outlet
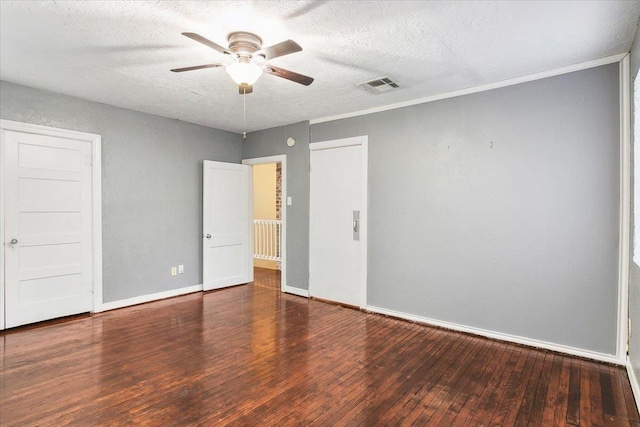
<point x="181" y="269"/>
<point x="173" y="271"/>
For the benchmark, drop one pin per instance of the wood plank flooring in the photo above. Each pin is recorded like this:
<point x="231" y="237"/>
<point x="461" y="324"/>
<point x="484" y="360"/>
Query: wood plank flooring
<point x="250" y="355"/>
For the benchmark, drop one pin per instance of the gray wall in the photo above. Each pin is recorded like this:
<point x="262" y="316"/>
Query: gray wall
<point x="272" y="142"/>
<point x="634" y="278"/>
<point x="499" y="210"/>
<point x="151" y="185"/>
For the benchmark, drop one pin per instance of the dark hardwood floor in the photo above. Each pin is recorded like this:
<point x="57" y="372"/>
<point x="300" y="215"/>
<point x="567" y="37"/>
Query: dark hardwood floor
<point x="250" y="355"/>
<point x="266" y="278"/>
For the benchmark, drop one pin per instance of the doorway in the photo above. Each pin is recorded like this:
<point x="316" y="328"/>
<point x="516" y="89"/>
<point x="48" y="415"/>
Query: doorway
<point x="269" y="220"/>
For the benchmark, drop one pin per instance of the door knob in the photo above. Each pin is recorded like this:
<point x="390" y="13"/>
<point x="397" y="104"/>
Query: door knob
<point x="208" y="236"/>
<point x="13" y="242"/>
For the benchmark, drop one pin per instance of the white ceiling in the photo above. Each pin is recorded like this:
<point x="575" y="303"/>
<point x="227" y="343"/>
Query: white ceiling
<point x="120" y="52"/>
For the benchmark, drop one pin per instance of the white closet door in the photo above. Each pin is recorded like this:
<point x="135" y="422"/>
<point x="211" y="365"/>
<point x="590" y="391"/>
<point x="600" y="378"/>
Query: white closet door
<point x="338" y="208"/>
<point x="48" y="227"/>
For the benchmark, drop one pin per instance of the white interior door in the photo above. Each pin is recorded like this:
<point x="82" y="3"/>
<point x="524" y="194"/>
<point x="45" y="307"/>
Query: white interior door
<point x="338" y="214"/>
<point x="48" y="227"/>
<point x="227" y="225"/>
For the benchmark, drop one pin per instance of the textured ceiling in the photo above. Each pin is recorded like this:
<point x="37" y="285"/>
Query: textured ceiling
<point x="120" y="52"/>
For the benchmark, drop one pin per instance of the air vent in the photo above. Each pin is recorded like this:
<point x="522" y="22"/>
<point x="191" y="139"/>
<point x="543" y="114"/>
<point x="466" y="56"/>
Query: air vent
<point x="379" y="85"/>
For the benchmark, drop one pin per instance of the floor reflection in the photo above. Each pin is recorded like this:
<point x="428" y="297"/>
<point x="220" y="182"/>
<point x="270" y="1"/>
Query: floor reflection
<point x="138" y="376"/>
<point x="253" y="355"/>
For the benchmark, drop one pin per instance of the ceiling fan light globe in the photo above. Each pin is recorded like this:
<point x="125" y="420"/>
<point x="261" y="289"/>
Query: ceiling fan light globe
<point x="242" y="72"/>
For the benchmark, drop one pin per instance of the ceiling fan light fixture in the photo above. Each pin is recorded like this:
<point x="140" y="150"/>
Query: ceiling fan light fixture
<point x="244" y="72"/>
<point x="249" y="55"/>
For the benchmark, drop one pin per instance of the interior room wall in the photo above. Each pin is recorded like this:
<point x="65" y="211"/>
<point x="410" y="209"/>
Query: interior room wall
<point x="151" y="185"/>
<point x="499" y="210"/>
<point x="264" y="201"/>
<point x="272" y="142"/>
<point x="496" y="210"/>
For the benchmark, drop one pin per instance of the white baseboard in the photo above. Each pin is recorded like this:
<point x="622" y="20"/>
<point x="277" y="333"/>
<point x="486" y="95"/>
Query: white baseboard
<point x="297" y="291"/>
<point x="148" y="298"/>
<point x="609" y="358"/>
<point x="635" y="387"/>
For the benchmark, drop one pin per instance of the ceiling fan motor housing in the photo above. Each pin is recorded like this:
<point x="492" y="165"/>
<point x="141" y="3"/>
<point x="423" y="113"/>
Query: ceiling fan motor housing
<point x="244" y="44"/>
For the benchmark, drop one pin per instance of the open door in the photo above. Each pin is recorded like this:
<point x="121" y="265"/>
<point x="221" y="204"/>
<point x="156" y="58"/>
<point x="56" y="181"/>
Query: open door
<point x="227" y="240"/>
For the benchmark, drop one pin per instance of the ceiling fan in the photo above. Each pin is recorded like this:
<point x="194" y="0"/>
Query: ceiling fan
<point x="249" y="59"/>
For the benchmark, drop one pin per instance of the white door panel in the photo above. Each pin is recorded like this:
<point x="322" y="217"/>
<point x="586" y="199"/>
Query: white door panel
<point x="337" y="257"/>
<point x="227" y="213"/>
<point x="48" y="214"/>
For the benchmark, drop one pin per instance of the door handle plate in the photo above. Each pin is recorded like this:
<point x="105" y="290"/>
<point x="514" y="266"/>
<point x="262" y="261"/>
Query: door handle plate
<point x="356" y="225"/>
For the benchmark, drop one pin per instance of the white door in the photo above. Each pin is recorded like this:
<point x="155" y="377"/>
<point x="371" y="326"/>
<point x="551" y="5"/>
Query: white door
<point x="227" y="225"/>
<point x="338" y="214"/>
<point x="48" y="227"/>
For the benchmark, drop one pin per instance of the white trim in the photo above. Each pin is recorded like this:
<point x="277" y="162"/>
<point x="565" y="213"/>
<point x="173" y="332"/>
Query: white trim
<point x="634" y="99"/>
<point x="625" y="210"/>
<point x="282" y="159"/>
<point x="297" y="291"/>
<point x="46" y="130"/>
<point x="338" y="143"/>
<point x="96" y="194"/>
<point x="363" y="141"/>
<point x="482" y="88"/>
<point x="2" y="178"/>
<point x="265" y="160"/>
<point x="150" y="297"/>
<point x="364" y="219"/>
<point x="635" y="387"/>
<point x="609" y="358"/>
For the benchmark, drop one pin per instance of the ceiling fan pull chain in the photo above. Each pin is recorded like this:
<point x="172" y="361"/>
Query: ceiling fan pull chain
<point x="244" y="113"/>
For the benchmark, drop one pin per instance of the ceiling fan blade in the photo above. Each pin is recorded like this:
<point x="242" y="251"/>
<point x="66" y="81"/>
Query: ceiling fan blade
<point x="196" y="67"/>
<point x="284" y="48"/>
<point x="289" y="75"/>
<point x="207" y="42"/>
